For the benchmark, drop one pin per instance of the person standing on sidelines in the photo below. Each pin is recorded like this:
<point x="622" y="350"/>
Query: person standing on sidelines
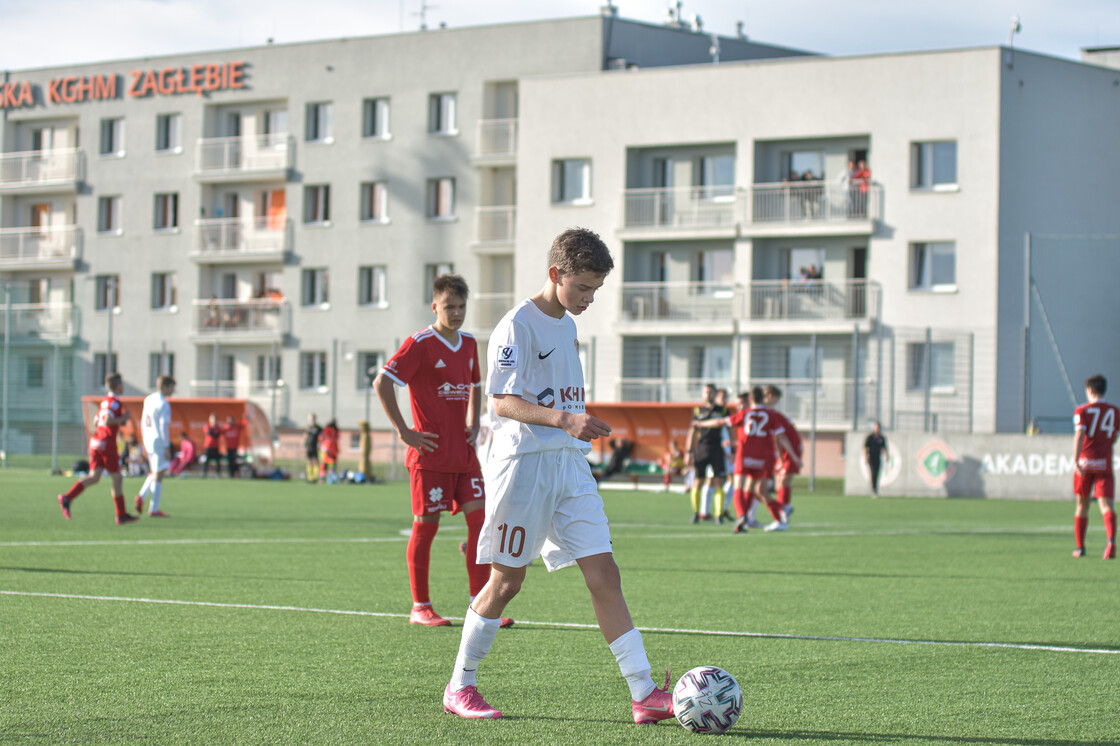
<point x="103" y="456"/>
<point x="155" y="427"/>
<point x="311" y="448"/>
<point x="328" y="447"/>
<point x="1095" y="424"/>
<point x="874" y="448"/>
<point x="212" y="446"/>
<point x="705" y="455"/>
<point x="232" y="431"/>
<point x="544" y="500"/>
<point x="440" y="366"/>
<point x="785" y="467"/>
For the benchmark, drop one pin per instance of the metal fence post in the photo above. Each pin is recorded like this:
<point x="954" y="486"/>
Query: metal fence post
<point x="6" y="372"/>
<point x="855" y="377"/>
<point x="56" y="374"/>
<point x="928" y="362"/>
<point x="813" y="415"/>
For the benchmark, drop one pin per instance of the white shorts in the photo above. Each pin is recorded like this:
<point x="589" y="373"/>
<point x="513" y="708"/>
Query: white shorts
<point x="157" y="458"/>
<point x="544" y="503"/>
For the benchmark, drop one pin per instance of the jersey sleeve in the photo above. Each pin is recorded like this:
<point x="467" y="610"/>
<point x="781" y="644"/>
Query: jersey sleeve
<point x="403" y="365"/>
<point x="509" y="352"/>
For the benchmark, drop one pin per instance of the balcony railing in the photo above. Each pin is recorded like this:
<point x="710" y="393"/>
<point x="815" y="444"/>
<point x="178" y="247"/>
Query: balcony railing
<point x="813" y="201"/>
<point x="222" y="238"/>
<point x="813" y="299"/>
<point x="41" y="246"/>
<point x="249" y="154"/>
<point x="485" y="310"/>
<point x="240" y="319"/>
<point x="497" y="138"/>
<point x="47" y="322"/>
<point x="41" y="169"/>
<point x="703" y="207"/>
<point x="496" y="224"/>
<point x="677" y="301"/>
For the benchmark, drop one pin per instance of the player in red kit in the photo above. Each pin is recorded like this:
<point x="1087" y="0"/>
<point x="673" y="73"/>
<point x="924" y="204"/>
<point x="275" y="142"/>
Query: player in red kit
<point x="232" y="431"/>
<point x="1095" y="425"/>
<point x="785" y="467"/>
<point x="103" y="454"/>
<point x="441" y="369"/>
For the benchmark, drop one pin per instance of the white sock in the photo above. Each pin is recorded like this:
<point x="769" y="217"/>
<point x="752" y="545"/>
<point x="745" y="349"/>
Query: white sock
<point x="157" y="491"/>
<point x="148" y="482"/>
<point x="632" y="661"/>
<point x="478" y="636"/>
<point x="706" y="506"/>
<point x="751" y="512"/>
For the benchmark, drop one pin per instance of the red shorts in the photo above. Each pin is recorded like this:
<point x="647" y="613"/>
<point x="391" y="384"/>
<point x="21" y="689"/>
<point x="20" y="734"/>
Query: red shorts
<point x="1087" y="483"/>
<point x="103" y="455"/>
<point x="786" y="466"/>
<point x="766" y="472"/>
<point x="330" y="458"/>
<point x="434" y="491"/>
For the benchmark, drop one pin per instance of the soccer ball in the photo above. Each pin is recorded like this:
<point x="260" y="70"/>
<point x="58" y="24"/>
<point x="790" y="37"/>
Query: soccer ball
<point x="707" y="700"/>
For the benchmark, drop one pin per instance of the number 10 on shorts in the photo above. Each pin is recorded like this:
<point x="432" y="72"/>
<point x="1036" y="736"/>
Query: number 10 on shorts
<point x="516" y="538"/>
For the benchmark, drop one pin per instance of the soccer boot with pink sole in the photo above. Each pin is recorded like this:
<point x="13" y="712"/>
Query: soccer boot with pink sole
<point x="1110" y="550"/>
<point x="467" y="703"/>
<point x="654" y="708"/>
<point x="426" y="616"/>
<point x="64" y="504"/>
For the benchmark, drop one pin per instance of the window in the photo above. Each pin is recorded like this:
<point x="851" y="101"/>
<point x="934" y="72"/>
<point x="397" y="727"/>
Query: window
<point x="112" y="138"/>
<point x="940" y="363"/>
<point x="317" y="204"/>
<point x="164" y="291"/>
<point x="375" y="202"/>
<point x="313" y="370"/>
<point x="107" y="292"/>
<point x="227" y="365"/>
<point x="101" y="368"/>
<point x="372" y="286"/>
<point x="320" y="125"/>
<point x="715" y="175"/>
<point x="441" y="198"/>
<point x="431" y="272"/>
<point x="109" y="215"/>
<point x="268" y="369"/>
<point x="36" y="372"/>
<point x="571" y="181"/>
<point x="933" y="165"/>
<point x="369" y="363"/>
<point x="375" y="118"/>
<point x="798" y="163"/>
<point x="315" y="287"/>
<point x="441" y="114"/>
<point x="169" y="133"/>
<point x="166" y="216"/>
<point x="160" y="364"/>
<point x="274" y="127"/>
<point x="933" y="266"/>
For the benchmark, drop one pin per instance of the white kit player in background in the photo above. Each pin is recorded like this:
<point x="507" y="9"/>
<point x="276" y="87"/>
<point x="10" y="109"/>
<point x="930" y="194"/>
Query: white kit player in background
<point x="155" y="429"/>
<point x="542" y="499"/>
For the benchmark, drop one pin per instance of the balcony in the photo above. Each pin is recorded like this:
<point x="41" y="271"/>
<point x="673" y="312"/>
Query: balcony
<point x="497" y="141"/>
<point x="496" y="225"/>
<point x="811" y="207"/>
<point x="663" y="213"/>
<point x="676" y="302"/>
<point x="41" y="171"/>
<point x="813" y="301"/>
<point x="42" y="248"/>
<point x="40" y="323"/>
<point x="241" y="159"/>
<point x="485" y="310"/>
<point x="240" y="321"/>
<point x="241" y="240"/>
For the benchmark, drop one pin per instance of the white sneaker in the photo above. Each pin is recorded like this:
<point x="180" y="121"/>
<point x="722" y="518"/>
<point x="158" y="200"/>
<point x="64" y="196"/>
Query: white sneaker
<point x="777" y="526"/>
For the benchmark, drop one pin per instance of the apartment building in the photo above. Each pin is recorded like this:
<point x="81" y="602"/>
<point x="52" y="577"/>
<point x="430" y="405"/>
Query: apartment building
<point x="266" y="222"/>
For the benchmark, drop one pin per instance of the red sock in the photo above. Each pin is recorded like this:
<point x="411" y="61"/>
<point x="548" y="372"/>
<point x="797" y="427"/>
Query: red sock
<point x="739" y="499"/>
<point x="784" y="495"/>
<point x="477" y="574"/>
<point x="419" y="554"/>
<point x="1110" y="524"/>
<point x="1080" y="526"/>
<point x="118" y="506"/>
<point x="75" y="490"/>
<point x="750" y="498"/>
<point x="775" y="509"/>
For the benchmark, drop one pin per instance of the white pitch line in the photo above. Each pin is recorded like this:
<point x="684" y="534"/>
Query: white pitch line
<point x="130" y="542"/>
<point x="571" y="625"/>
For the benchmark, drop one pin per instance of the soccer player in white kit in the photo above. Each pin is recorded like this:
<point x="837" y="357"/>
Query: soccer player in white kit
<point x="542" y="499"/>
<point x="155" y="428"/>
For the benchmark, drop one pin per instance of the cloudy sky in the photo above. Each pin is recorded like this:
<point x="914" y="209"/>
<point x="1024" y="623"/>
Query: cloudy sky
<point x="43" y="33"/>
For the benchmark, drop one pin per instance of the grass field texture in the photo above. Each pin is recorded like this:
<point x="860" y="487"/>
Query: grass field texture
<point x="275" y="612"/>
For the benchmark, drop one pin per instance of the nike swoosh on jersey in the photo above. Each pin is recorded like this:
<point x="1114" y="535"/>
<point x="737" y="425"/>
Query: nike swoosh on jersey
<point x="543" y="355"/>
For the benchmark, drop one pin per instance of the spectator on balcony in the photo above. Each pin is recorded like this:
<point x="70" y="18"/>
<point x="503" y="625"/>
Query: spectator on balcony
<point x="810" y="194"/>
<point x="861" y="181"/>
<point x="213" y="313"/>
<point x="849" y="187"/>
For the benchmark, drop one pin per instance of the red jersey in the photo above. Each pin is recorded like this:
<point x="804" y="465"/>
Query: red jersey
<point x="328" y="440"/>
<point x="110" y="407"/>
<point x="755" y="429"/>
<point x="782" y="421"/>
<point x="232" y="435"/>
<point x="440" y="378"/>
<point x="213" y="437"/>
<point x="1098" y="420"/>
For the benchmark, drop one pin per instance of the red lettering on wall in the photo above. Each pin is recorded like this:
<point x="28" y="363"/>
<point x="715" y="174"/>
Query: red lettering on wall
<point x="54" y="95"/>
<point x="105" y="86"/>
<point x="167" y="81"/>
<point x="134" y="87"/>
<point x="196" y="78"/>
<point x="69" y="94"/>
<point x="237" y="74"/>
<point x="85" y="89"/>
<point x="213" y="76"/>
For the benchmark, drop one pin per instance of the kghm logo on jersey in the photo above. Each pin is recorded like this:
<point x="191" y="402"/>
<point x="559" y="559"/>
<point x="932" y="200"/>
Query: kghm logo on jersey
<point x="454" y="391"/>
<point x="935" y="463"/>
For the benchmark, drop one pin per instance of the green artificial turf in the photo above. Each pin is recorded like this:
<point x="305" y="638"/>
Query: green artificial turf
<point x="890" y="621"/>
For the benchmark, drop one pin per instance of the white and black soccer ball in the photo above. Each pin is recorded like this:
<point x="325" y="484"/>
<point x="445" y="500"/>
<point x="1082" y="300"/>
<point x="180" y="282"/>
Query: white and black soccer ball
<point x="707" y="699"/>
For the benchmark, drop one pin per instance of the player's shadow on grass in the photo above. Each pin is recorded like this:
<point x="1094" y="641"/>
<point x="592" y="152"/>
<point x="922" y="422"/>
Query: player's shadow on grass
<point x="818" y="736"/>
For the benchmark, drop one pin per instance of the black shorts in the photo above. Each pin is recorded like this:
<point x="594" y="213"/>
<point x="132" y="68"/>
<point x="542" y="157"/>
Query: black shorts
<point x="717" y="463"/>
<point x="213" y="454"/>
<point x="312" y="455"/>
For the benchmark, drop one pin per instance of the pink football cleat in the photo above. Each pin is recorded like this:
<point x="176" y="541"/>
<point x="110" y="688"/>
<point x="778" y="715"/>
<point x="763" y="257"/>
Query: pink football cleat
<point x="657" y="706"/>
<point x="64" y="504"/>
<point x="138" y="503"/>
<point x="506" y="623"/>
<point x="426" y="616"/>
<point x="1110" y="550"/>
<point x="468" y="703"/>
<point x="159" y="514"/>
